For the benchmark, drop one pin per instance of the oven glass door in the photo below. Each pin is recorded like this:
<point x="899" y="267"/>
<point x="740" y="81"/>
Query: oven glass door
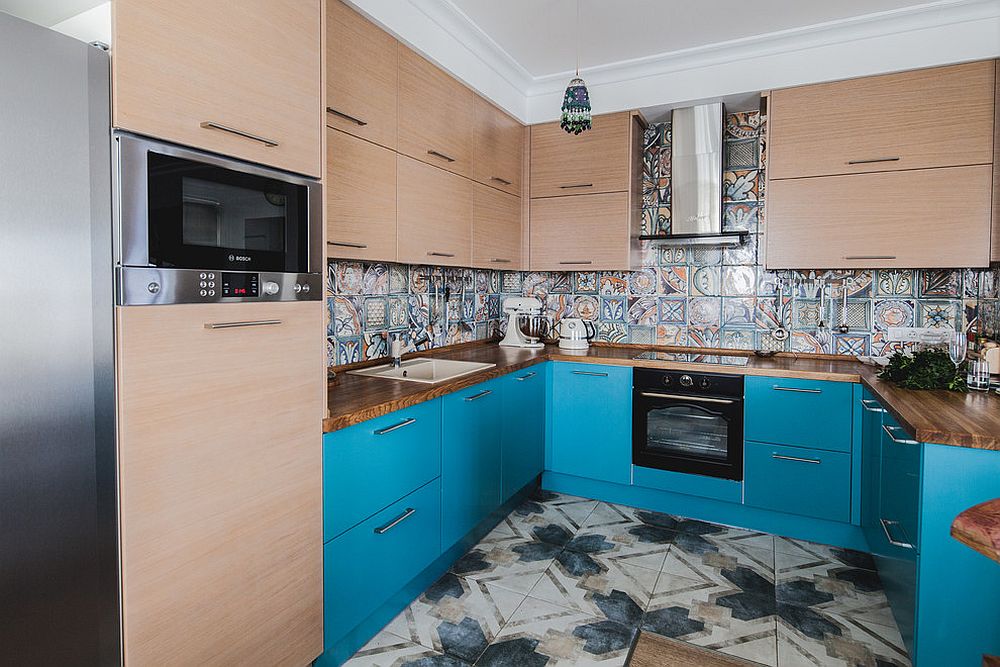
<point x="690" y="434"/>
<point x="206" y="216"/>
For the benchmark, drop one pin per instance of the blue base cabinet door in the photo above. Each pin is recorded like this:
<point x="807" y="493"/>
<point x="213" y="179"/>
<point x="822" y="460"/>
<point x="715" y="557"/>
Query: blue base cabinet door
<point x="592" y="421"/>
<point x="522" y="448"/>
<point x="812" y="482"/>
<point x="470" y="461"/>
<point x="799" y="413"/>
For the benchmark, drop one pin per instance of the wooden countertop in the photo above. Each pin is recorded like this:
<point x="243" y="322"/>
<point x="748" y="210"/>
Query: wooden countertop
<point x="967" y="420"/>
<point x="979" y="528"/>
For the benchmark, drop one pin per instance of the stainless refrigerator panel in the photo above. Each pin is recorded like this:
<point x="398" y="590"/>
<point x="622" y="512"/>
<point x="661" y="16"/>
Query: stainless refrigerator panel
<point x="58" y="586"/>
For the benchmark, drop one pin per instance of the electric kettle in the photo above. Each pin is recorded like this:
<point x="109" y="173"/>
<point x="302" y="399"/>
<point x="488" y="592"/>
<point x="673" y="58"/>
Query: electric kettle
<point x="575" y="334"/>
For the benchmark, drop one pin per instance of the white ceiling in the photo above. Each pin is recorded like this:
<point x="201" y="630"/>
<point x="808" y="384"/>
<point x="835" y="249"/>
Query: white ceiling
<point x="47" y="12"/>
<point x="540" y="35"/>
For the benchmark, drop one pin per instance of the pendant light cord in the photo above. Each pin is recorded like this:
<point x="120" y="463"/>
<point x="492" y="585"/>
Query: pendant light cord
<point x="578" y="38"/>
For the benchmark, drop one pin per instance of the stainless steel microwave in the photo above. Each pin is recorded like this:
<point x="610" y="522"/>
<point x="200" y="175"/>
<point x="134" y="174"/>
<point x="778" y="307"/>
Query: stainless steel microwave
<point x="192" y="226"/>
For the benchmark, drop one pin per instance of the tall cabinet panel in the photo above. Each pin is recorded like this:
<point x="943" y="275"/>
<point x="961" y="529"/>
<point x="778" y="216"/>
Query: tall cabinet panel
<point x="361" y="78"/>
<point x="242" y="80"/>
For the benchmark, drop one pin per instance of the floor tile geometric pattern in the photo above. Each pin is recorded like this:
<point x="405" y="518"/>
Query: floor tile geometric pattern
<point x="570" y="581"/>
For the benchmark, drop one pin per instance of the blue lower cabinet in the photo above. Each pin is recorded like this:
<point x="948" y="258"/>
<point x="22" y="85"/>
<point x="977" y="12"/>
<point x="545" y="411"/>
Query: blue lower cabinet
<point x="801" y="413"/>
<point x="811" y="482"/>
<point x="522" y="432"/>
<point x="871" y="452"/>
<point x="470" y="460"/>
<point x="591" y="422"/>
<point x="369" y="563"/>
<point x="369" y="465"/>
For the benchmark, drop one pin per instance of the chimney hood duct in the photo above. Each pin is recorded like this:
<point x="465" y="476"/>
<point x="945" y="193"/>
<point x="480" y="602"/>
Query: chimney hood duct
<point x="696" y="178"/>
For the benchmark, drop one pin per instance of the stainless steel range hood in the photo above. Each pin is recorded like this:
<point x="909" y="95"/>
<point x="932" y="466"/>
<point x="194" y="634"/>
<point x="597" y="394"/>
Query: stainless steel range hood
<point x="696" y="178"/>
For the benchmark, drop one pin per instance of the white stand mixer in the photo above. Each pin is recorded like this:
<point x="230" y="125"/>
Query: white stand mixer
<point x="526" y="325"/>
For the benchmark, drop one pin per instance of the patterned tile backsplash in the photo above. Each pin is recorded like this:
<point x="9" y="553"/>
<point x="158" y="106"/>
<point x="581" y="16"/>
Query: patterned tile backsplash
<point x="711" y="297"/>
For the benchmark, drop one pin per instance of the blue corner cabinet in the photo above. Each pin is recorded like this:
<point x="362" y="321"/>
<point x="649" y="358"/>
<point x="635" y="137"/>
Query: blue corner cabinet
<point x="591" y="422"/>
<point x="944" y="596"/>
<point x="522" y="435"/>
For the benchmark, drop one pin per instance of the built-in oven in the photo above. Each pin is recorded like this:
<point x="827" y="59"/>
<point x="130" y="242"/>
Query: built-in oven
<point x="688" y="422"/>
<point x="192" y="226"/>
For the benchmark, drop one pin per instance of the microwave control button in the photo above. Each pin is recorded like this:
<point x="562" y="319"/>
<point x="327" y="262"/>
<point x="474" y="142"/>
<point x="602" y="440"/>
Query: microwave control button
<point x="202" y="284"/>
<point x="686" y="381"/>
<point x="203" y="293"/>
<point x="211" y="292"/>
<point x="305" y="288"/>
<point x="211" y="276"/>
<point x="202" y="275"/>
<point x="211" y="283"/>
<point x="297" y="288"/>
<point x="153" y="288"/>
<point x="271" y="287"/>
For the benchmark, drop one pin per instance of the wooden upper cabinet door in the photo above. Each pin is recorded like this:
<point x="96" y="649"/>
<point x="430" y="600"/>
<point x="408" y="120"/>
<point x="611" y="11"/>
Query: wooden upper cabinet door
<point x="498" y="147"/>
<point x="239" y="79"/>
<point x="435" y="115"/>
<point x="361" y="76"/>
<point x="581" y="233"/>
<point x="938" y="117"/>
<point x="594" y="161"/>
<point x="360" y="199"/>
<point x="434" y="215"/>
<point x="995" y="248"/>
<point x="496" y="229"/>
<point x="924" y="218"/>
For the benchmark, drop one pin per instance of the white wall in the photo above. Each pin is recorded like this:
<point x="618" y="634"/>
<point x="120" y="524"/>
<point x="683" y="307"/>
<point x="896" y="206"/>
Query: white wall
<point x="93" y="25"/>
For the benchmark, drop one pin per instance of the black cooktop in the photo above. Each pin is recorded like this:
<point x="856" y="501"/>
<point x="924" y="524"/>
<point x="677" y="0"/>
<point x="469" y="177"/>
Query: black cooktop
<point x="693" y="358"/>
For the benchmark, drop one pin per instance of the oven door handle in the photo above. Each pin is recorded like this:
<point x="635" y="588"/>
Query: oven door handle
<point x="693" y="399"/>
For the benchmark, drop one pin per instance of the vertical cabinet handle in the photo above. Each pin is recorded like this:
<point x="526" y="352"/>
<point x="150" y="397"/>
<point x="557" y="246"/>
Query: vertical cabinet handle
<point x="896" y="543"/>
<point x="390" y="429"/>
<point x="476" y="397"/>
<point x="211" y="125"/>
<point x="382" y="530"/>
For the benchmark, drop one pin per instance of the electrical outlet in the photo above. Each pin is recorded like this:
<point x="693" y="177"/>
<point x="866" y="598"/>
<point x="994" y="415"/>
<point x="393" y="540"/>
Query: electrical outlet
<point x="918" y="335"/>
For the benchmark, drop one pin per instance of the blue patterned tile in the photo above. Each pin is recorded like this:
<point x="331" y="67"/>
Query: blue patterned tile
<point x="893" y="313"/>
<point x="642" y="310"/>
<point x="613" y="309"/>
<point x="672" y="310"/>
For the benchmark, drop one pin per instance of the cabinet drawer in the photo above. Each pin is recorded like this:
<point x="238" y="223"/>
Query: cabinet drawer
<point x="370" y="465"/>
<point x="799" y="413"/>
<point x="899" y="498"/>
<point x="798" y="481"/>
<point x="365" y="566"/>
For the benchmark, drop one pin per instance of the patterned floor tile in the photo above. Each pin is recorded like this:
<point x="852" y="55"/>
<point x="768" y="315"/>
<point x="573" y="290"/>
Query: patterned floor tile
<point x="388" y="650"/>
<point x="597" y="586"/>
<point x="832" y="587"/>
<point x="514" y="564"/>
<point x="807" y="637"/>
<point x="823" y="552"/>
<point x="734" y="615"/>
<point x="699" y="557"/>
<point x="631" y="543"/>
<point x="541" y="633"/>
<point x="457" y="616"/>
<point x="552" y="518"/>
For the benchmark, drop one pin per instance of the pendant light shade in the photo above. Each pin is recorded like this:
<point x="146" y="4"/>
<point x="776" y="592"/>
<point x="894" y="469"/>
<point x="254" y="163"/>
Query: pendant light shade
<point x="576" y="107"/>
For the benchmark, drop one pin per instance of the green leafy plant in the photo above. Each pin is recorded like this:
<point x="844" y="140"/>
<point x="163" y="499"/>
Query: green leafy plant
<point x="926" y="369"/>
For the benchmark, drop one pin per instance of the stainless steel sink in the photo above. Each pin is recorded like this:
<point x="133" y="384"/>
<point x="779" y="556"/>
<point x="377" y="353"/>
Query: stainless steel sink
<point x="427" y="371"/>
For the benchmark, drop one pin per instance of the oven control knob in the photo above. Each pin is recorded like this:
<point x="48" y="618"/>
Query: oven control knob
<point x="686" y="381"/>
<point x="667" y="380"/>
<point x="704" y="383"/>
<point x="271" y="287"/>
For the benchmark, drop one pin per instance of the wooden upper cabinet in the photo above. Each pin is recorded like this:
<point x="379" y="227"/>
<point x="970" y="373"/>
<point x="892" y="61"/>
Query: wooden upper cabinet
<point x="995" y="246"/>
<point x="435" y="115"/>
<point x="923" y="218"/>
<point x="361" y="76"/>
<point x="583" y="233"/>
<point x="498" y="148"/>
<point x="434" y="215"/>
<point x="241" y="80"/>
<point x="496" y="229"/>
<point x="592" y="162"/>
<point x="360" y="199"/>
<point x="937" y="117"/>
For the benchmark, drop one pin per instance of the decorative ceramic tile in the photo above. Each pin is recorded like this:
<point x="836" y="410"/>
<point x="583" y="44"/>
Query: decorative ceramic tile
<point x="348" y="350"/>
<point x="805" y="313"/>
<point x="743" y="125"/>
<point x="939" y="314"/>
<point x="613" y="309"/>
<point x="738" y="339"/>
<point x="671" y="334"/>
<point x="613" y="282"/>
<point x="585" y="282"/>
<point x="642" y="282"/>
<point x="541" y="633"/>
<point x="807" y="637"/>
<point x="893" y="313"/>
<point x="673" y="280"/>
<point x="805" y="342"/>
<point x="513" y="564"/>
<point x="699" y="336"/>
<point x="561" y="283"/>
<point x="705" y="281"/>
<point x="858" y="314"/>
<point x="895" y="282"/>
<point x="742" y="216"/>
<point x="704" y="256"/>
<point x="935" y="283"/>
<point x="346" y="317"/>
<point x="672" y="310"/>
<point x="705" y="311"/>
<point x="642" y="310"/>
<point x="610" y="332"/>
<point x="349" y="278"/>
<point x="852" y="344"/>
<point x="739" y="311"/>
<point x="740" y="185"/>
<point x="387" y="650"/>
<point x="744" y="254"/>
<point x="672" y="255"/>
<point x="742" y="154"/>
<point x="376" y="312"/>
<point x="586" y="307"/>
<point x="642" y="335"/>
<point x="555" y="521"/>
<point x="739" y="281"/>
<point x="376" y="279"/>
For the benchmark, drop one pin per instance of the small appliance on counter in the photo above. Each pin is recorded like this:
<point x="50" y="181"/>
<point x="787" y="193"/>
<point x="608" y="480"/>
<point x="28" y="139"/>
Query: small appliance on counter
<point x="526" y="325"/>
<point x="575" y="334"/>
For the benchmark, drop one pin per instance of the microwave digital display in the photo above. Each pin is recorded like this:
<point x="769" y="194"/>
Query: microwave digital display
<point x="240" y="284"/>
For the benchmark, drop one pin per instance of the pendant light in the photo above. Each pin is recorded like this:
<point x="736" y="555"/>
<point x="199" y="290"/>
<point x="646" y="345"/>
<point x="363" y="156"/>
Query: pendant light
<point x="576" y="102"/>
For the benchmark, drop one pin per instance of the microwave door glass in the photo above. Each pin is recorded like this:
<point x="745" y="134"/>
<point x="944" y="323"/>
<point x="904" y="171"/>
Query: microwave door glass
<point x="227" y="216"/>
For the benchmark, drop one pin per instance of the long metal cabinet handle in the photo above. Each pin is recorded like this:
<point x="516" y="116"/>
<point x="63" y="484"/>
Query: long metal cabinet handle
<point x="345" y="244"/>
<point x="867" y="404"/>
<point x="211" y="125"/>
<point x="600" y="375"/>
<point x="873" y="160"/>
<point x="525" y="377"/>
<point x="500" y="260"/>
<point x="797" y="390"/>
<point x="797" y="459"/>
<point x="441" y="155"/>
<point x="577" y="185"/>
<point x="476" y="397"/>
<point x="899" y="441"/>
<point x="583" y="261"/>
<point x="381" y="530"/>
<point x="896" y="543"/>
<point x="440" y="254"/>
<point x="869" y="257"/>
<point x="693" y="399"/>
<point x="500" y="180"/>
<point x="346" y="116"/>
<point x="237" y="325"/>
<point x="390" y="429"/>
